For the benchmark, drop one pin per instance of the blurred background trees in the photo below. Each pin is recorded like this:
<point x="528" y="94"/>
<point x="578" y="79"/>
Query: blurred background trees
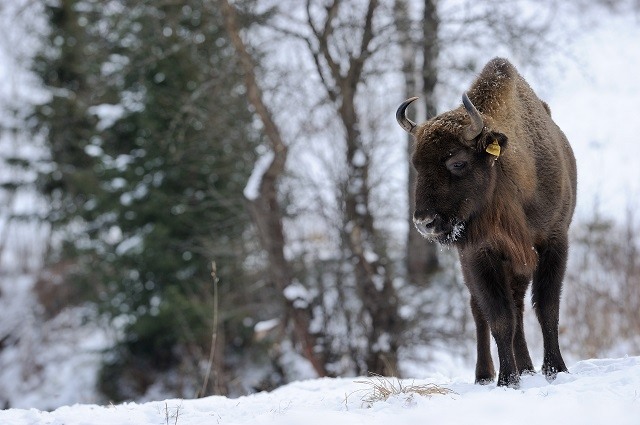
<point x="259" y="135"/>
<point x="151" y="143"/>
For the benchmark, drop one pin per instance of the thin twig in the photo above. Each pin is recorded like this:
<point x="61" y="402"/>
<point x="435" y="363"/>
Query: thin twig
<point x="214" y="332"/>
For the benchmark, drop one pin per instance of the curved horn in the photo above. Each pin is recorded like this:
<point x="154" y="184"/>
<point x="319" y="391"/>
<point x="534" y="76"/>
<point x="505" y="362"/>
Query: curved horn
<point x="408" y="125"/>
<point x="477" y="124"/>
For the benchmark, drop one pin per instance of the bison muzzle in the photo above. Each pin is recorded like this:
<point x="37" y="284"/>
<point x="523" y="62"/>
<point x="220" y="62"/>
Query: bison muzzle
<point x="496" y="178"/>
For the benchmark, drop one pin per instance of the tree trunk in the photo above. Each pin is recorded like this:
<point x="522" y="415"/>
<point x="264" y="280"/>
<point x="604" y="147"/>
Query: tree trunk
<point x="265" y="208"/>
<point x="341" y="72"/>
<point x="373" y="280"/>
<point x="366" y="249"/>
<point x="421" y="256"/>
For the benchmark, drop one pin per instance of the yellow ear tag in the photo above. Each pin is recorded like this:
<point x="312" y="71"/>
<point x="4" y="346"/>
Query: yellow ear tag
<point x="494" y="149"/>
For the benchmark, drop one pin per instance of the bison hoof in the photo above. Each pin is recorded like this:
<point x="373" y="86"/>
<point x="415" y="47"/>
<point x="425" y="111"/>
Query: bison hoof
<point x="551" y="372"/>
<point x="528" y="371"/>
<point x="511" y="381"/>
<point x="484" y="381"/>
<point x="485" y="375"/>
<point x="550" y="375"/>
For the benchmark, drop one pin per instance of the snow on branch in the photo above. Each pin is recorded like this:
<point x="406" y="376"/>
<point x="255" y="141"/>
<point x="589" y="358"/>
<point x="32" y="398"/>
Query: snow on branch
<point x="252" y="189"/>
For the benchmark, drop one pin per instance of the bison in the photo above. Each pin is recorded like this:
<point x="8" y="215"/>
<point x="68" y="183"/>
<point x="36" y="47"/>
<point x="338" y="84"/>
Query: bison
<point x="496" y="178"/>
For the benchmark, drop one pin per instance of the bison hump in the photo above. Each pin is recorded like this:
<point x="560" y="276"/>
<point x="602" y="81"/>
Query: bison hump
<point x="494" y="86"/>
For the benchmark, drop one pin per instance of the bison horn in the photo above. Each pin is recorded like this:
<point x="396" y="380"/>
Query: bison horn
<point x="477" y="124"/>
<point x="408" y="125"/>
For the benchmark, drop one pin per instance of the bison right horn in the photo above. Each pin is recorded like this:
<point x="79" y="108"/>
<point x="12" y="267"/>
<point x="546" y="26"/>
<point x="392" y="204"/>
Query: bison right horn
<point x="477" y="124"/>
<point x="408" y="125"/>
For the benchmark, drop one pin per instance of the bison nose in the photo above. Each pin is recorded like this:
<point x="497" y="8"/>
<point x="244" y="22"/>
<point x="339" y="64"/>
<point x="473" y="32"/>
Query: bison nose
<point x="424" y="222"/>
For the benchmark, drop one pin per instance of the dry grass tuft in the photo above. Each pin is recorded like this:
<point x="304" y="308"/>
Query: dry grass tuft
<point x="381" y="388"/>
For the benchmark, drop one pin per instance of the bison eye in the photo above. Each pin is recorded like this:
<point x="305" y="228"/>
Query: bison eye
<point x="458" y="163"/>
<point x="457" y="167"/>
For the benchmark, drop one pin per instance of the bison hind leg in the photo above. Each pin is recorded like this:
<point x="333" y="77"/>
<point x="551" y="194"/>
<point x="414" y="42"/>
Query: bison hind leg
<point x="546" y="289"/>
<point x="523" y="359"/>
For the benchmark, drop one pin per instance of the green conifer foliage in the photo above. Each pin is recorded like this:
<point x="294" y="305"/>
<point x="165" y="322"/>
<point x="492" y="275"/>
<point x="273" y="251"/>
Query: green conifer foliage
<point x="151" y="145"/>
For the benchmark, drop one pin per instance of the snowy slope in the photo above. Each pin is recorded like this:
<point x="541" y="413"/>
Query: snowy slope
<point x="595" y="392"/>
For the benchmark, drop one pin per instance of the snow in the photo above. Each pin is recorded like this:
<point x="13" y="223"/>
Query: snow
<point x="46" y="363"/>
<point x="132" y="244"/>
<point x="359" y="158"/>
<point x="107" y="114"/>
<point x="252" y="189"/>
<point x="298" y="294"/>
<point x="266" y="325"/>
<point x="594" y="392"/>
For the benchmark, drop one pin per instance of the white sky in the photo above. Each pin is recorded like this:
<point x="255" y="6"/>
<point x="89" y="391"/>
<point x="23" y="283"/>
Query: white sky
<point x="596" y="102"/>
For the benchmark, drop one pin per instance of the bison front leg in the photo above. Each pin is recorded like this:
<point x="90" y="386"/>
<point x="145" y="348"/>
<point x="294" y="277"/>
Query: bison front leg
<point x="545" y="295"/>
<point x="485" y="373"/>
<point x="503" y="328"/>
<point x="493" y="300"/>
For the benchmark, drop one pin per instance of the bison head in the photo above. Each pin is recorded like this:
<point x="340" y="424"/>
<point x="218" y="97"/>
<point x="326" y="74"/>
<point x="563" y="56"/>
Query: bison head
<point x="454" y="158"/>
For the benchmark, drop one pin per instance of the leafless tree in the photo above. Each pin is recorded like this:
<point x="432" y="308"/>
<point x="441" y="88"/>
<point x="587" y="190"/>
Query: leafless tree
<point x="603" y="286"/>
<point x="421" y="256"/>
<point x="265" y="207"/>
<point x="343" y="40"/>
<point x="345" y="47"/>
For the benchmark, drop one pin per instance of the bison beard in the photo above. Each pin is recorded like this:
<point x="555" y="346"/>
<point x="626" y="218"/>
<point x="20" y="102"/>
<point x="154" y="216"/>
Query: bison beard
<point x="496" y="178"/>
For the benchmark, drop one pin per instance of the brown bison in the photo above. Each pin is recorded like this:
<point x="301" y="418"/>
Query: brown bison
<point x="496" y="178"/>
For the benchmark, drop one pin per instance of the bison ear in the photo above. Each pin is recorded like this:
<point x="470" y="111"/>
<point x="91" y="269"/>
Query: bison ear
<point x="492" y="142"/>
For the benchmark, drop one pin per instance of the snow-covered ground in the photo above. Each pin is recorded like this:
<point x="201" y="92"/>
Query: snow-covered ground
<point x="594" y="392"/>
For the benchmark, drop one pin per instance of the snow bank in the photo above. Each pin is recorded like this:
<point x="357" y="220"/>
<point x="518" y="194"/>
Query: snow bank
<point x="595" y="392"/>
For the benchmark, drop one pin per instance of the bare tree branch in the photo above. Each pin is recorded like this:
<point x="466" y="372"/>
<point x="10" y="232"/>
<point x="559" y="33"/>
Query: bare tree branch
<point x="265" y="209"/>
<point x="323" y="42"/>
<point x="356" y="63"/>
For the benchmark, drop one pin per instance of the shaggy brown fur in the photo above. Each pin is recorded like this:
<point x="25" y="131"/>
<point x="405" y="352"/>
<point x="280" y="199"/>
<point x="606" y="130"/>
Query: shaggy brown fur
<point x="508" y="215"/>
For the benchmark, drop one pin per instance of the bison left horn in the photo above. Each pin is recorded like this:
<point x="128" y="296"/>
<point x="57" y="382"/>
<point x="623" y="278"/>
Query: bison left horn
<point x="477" y="124"/>
<point x="408" y="125"/>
